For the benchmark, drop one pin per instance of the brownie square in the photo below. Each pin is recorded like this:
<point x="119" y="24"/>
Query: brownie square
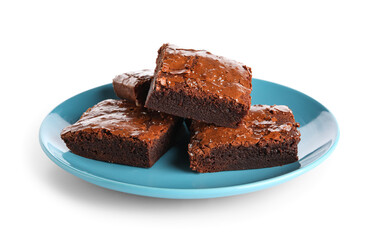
<point x="267" y="137"/>
<point x="198" y="85"/>
<point x="117" y="131"/>
<point x="133" y="86"/>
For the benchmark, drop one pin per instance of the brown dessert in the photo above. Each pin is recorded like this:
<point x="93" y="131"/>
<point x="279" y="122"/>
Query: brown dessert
<point x="267" y="137"/>
<point x="133" y="86"/>
<point x="117" y="131"/>
<point x="198" y="85"/>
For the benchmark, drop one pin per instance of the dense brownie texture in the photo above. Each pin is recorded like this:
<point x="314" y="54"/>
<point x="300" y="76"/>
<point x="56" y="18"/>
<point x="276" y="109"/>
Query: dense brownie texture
<point x="133" y="86"/>
<point x="198" y="85"/>
<point x="267" y="137"/>
<point x="117" y="131"/>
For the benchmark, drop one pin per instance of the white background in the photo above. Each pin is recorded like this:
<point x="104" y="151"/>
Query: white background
<point x="50" y="51"/>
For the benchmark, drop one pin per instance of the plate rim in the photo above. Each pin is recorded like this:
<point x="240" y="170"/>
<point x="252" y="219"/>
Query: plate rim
<point x="191" y="193"/>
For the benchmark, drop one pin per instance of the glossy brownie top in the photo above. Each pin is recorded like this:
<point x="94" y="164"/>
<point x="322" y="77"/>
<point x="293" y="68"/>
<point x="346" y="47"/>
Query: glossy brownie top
<point x="134" y="78"/>
<point x="199" y="70"/>
<point x="263" y="124"/>
<point x="125" y="84"/>
<point x="122" y="118"/>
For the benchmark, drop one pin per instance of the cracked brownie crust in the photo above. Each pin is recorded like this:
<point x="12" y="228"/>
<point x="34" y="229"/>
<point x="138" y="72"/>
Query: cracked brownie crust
<point x="117" y="131"/>
<point x="267" y="137"/>
<point x="198" y="85"/>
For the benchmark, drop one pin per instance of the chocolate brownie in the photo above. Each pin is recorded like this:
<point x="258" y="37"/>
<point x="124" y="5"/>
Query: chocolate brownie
<point x="117" y="131"/>
<point x="133" y="86"/>
<point x="198" y="85"/>
<point x="267" y="137"/>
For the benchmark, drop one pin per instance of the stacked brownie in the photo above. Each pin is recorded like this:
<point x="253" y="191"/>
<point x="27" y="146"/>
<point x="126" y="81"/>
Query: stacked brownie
<point x="211" y="92"/>
<point x="199" y="85"/>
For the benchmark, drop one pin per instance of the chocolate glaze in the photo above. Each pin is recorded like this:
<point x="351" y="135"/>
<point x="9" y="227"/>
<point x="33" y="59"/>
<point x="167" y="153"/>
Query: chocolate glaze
<point x="128" y="85"/>
<point x="124" y="119"/>
<point x="261" y="125"/>
<point x="201" y="71"/>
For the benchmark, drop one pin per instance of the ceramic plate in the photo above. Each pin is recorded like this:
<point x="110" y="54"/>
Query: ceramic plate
<point x="171" y="176"/>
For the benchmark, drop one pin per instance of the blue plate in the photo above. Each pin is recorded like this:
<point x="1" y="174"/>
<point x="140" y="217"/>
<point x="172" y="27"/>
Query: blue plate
<point x="171" y="176"/>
